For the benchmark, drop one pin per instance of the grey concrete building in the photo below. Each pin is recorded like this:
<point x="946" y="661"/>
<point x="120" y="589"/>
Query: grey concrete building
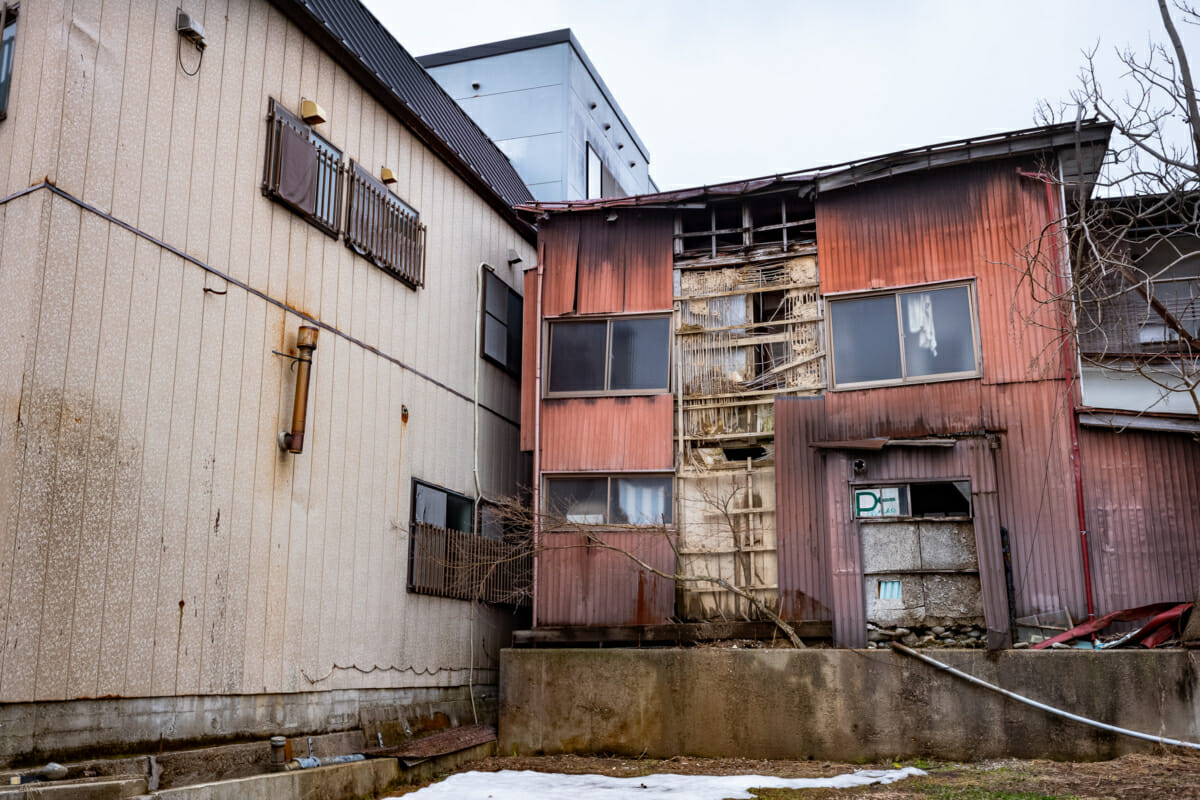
<point x="543" y="103"/>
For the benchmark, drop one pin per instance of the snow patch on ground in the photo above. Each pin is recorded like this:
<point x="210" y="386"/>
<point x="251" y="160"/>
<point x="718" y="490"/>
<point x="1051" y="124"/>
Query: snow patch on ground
<point x="512" y="785"/>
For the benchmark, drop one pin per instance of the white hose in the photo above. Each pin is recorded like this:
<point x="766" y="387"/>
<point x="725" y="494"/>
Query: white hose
<point x="1055" y="711"/>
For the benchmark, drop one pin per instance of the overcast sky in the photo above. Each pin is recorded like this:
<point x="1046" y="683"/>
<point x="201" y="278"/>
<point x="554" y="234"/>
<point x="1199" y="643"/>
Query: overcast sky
<point x="719" y="91"/>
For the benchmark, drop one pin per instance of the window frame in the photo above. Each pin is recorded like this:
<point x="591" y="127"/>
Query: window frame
<point x="605" y="392"/>
<point x="9" y="16"/>
<point x="513" y="369"/>
<point x="829" y="300"/>
<point x="907" y="485"/>
<point x="547" y="477"/>
<point x="278" y="116"/>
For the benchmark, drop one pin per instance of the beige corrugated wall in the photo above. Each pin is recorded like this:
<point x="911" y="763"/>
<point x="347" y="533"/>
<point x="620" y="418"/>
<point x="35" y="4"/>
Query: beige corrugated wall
<point x="153" y="539"/>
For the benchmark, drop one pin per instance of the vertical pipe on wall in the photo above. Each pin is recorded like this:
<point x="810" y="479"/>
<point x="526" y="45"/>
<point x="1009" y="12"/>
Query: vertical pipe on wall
<point x="537" y="431"/>
<point x="306" y="342"/>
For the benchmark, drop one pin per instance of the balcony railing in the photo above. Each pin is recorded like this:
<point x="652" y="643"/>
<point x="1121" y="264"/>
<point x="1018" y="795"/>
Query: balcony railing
<point x="467" y="566"/>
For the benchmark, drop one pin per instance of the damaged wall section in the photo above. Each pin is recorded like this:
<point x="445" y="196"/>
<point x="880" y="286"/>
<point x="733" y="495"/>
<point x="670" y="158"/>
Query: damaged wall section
<point x="747" y="329"/>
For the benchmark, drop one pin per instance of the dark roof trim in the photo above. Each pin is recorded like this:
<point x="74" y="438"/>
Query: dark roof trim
<point x="563" y="36"/>
<point x="1090" y="136"/>
<point x="382" y="66"/>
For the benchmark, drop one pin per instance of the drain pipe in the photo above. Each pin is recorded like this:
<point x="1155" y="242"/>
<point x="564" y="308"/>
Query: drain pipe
<point x="1104" y="726"/>
<point x="479" y="322"/>
<point x="537" y="432"/>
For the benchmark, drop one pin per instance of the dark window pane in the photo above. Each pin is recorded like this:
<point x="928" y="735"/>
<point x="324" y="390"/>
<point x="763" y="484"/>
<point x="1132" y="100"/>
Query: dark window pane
<point x="460" y="512"/>
<point x="640" y="349"/>
<point x="938" y="332"/>
<point x="941" y="499"/>
<point x="495" y="296"/>
<point x="515" y="307"/>
<point x="577" y="356"/>
<point x="329" y="159"/>
<point x="7" y="47"/>
<point x="866" y="339"/>
<point x="430" y="506"/>
<point x="495" y="339"/>
<point x="579" y="500"/>
<point x="641" y="501"/>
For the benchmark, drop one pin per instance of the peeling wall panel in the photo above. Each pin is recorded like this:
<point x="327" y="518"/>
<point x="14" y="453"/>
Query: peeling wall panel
<point x="607" y="433"/>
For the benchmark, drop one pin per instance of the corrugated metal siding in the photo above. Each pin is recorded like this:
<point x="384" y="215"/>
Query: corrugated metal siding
<point x="598" y="267"/>
<point x="607" y="433"/>
<point x="969" y="458"/>
<point x="1142" y="491"/>
<point x="899" y="411"/>
<point x="529" y="354"/>
<point x="801" y="533"/>
<point x="583" y="584"/>
<point x="945" y="225"/>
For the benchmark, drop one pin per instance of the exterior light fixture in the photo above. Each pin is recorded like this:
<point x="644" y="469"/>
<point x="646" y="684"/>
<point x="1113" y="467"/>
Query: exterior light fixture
<point x="513" y="257"/>
<point x="387" y="176"/>
<point x="306" y="342"/>
<point x="312" y="113"/>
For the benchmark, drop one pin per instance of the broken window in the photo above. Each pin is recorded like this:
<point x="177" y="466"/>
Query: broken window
<point x="502" y="309"/>
<point x="909" y="336"/>
<point x="928" y="499"/>
<point x="385" y="229"/>
<point x="8" y="47"/>
<point x="622" y="355"/>
<point x="610" y="499"/>
<point x="302" y="170"/>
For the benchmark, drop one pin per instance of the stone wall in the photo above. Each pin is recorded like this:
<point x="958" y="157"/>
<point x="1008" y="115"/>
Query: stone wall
<point x="841" y="705"/>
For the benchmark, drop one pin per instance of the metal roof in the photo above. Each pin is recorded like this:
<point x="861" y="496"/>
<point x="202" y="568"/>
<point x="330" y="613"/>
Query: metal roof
<point x="562" y="36"/>
<point x="1081" y="147"/>
<point x="361" y="44"/>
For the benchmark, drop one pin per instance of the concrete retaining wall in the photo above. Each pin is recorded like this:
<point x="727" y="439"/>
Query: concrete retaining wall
<point x="37" y="732"/>
<point x="844" y="705"/>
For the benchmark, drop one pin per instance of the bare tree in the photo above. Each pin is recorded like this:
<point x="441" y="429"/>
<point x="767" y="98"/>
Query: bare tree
<point x="501" y="572"/>
<point x="1130" y="299"/>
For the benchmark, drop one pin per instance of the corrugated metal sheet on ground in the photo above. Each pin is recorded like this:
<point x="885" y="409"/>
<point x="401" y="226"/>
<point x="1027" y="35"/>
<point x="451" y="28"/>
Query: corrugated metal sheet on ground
<point x="607" y="433"/>
<point x="586" y="584"/>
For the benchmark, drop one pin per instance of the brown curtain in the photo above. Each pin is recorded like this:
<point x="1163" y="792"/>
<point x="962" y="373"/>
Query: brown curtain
<point x="297" y="169"/>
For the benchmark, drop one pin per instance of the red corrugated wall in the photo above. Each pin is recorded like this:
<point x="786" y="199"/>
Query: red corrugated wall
<point x="955" y="223"/>
<point x="1143" y="502"/>
<point x="596" y="266"/>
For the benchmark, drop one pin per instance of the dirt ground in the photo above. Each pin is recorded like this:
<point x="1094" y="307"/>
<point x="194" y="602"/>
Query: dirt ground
<point x="1133" y="777"/>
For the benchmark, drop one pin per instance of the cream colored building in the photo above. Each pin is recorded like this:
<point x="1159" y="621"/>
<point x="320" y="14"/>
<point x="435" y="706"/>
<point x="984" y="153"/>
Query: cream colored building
<point x="167" y="571"/>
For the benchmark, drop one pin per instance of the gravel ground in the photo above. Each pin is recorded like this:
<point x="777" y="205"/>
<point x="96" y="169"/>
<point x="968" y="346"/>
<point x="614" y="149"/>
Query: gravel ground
<point x="1134" y="777"/>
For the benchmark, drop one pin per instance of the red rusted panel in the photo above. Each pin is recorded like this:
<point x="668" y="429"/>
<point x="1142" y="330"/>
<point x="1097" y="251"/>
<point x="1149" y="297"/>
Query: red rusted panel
<point x="558" y="243"/>
<point x="607" y="433"/>
<point x="1142" y="490"/>
<point x="970" y="221"/>
<point x="594" y="266"/>
<point x="529" y="330"/>
<point x="801" y="533"/>
<point x="900" y="411"/>
<point x="582" y="583"/>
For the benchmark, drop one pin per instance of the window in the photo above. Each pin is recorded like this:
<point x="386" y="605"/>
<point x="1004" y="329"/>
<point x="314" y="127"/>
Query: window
<point x="904" y="337"/>
<point x="595" y="172"/>
<point x="433" y="505"/>
<point x="927" y="500"/>
<point x="502" y="310"/>
<point x="8" y="46"/>
<point x="385" y="229"/>
<point x="610" y="499"/>
<point x="302" y="170"/>
<point x="622" y="355"/>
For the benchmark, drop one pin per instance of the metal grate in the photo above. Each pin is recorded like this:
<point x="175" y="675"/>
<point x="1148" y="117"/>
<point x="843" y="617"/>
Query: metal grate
<point x="384" y="228"/>
<point x="467" y="566"/>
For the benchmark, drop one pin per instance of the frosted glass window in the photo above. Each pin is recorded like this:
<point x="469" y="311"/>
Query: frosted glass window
<point x="641" y="501"/>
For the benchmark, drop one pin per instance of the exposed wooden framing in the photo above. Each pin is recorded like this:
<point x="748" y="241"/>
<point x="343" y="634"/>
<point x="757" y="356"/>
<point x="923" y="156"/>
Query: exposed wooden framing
<point x="751" y="290"/>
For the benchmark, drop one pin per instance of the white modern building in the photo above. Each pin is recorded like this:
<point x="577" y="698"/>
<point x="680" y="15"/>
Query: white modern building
<point x="540" y="99"/>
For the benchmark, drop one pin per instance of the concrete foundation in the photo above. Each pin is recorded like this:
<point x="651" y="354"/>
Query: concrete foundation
<point x="33" y="733"/>
<point x="843" y="705"/>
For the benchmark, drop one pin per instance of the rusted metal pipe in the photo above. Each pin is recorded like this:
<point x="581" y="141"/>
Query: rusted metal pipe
<point x="306" y="342"/>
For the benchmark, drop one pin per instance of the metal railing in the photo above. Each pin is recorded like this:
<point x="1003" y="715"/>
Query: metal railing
<point x="467" y="566"/>
<point x="382" y="227"/>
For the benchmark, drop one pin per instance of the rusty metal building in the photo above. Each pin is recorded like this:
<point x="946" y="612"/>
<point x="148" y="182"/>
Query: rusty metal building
<point x="862" y="400"/>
